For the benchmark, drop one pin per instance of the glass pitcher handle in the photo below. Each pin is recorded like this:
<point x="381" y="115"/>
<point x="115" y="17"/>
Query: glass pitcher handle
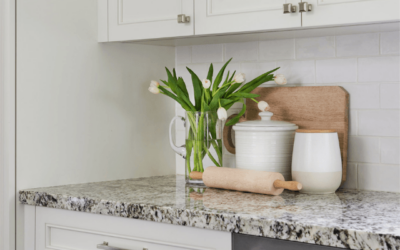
<point x="179" y="150"/>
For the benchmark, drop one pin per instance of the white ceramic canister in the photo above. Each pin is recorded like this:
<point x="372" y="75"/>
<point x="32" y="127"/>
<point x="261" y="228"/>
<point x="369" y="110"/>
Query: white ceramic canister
<point x="316" y="161"/>
<point x="265" y="145"/>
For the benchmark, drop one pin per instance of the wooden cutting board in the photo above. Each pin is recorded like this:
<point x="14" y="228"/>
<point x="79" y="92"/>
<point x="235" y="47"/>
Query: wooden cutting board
<point x="319" y="107"/>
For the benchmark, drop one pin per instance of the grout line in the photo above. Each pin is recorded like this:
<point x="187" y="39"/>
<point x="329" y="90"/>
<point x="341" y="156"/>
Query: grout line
<point x="379" y="150"/>
<point x="373" y="163"/>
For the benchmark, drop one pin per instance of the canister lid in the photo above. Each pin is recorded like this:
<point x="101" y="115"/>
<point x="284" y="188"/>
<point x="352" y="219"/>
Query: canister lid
<point x="265" y="124"/>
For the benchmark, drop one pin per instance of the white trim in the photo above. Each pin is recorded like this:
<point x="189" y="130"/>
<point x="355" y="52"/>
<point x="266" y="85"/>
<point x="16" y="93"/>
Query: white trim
<point x="7" y="124"/>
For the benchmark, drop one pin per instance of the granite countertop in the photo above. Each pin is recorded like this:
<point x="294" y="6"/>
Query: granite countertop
<point x="347" y="219"/>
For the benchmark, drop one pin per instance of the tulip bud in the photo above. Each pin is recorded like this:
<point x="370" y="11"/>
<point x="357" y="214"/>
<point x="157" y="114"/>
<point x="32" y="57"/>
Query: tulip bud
<point x="154" y="84"/>
<point x="206" y="83"/>
<point x="154" y="90"/>
<point x="280" y="79"/>
<point x="222" y="114"/>
<point x="263" y="106"/>
<point x="239" y="78"/>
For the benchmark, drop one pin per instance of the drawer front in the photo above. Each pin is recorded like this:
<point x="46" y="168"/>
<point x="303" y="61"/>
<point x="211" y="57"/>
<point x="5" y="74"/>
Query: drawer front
<point x="67" y="230"/>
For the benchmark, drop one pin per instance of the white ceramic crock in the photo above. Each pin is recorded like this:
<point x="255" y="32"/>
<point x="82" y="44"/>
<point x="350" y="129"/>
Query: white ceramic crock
<point x="265" y="145"/>
<point x="316" y="161"/>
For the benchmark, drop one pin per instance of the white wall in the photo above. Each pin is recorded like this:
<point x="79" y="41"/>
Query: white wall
<point x="84" y="113"/>
<point x="365" y="64"/>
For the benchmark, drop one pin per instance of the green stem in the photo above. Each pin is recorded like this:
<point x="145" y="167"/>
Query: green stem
<point x="211" y="157"/>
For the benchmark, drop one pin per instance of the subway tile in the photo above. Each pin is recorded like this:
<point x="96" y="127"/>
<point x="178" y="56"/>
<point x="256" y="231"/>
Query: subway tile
<point x="337" y="70"/>
<point x="207" y="53"/>
<point x="363" y="96"/>
<point x="255" y="69"/>
<point x="351" y="178"/>
<point x="247" y="51"/>
<point x="297" y="72"/>
<point x="390" y="42"/>
<point x="378" y="177"/>
<point x="378" y="122"/>
<point x="357" y="45"/>
<point x="315" y="47"/>
<point x="183" y="54"/>
<point x="353" y="122"/>
<point x="277" y="49"/>
<point x="390" y="150"/>
<point x="357" y="29"/>
<point x="379" y="69"/>
<point x="390" y="95"/>
<point x="229" y="160"/>
<point x="364" y="149"/>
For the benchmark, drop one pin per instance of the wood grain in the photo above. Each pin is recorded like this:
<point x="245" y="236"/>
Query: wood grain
<point x="309" y="107"/>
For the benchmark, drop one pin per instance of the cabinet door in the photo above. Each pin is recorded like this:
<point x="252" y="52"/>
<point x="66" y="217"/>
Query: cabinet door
<point x="223" y="16"/>
<point x="62" y="229"/>
<point x="150" y="19"/>
<point x="339" y="12"/>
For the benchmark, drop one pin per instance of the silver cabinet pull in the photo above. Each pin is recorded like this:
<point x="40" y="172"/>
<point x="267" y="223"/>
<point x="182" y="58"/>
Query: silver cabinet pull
<point x="105" y="246"/>
<point x="289" y="8"/>
<point x="305" y="7"/>
<point x="183" y="19"/>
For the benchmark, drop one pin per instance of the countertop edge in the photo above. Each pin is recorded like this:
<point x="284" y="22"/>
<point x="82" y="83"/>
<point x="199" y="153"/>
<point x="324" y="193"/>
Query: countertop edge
<point x="244" y="224"/>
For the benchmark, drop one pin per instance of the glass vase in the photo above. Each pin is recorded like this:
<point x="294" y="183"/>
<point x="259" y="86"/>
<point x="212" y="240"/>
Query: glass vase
<point x="203" y="143"/>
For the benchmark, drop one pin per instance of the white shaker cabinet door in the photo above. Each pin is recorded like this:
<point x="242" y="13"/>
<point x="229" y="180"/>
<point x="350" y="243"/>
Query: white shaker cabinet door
<point x="231" y="16"/>
<point x="150" y="19"/>
<point x="342" y="12"/>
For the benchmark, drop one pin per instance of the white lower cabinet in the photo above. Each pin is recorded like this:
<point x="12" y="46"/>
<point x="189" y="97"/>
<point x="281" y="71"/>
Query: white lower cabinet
<point x="67" y="230"/>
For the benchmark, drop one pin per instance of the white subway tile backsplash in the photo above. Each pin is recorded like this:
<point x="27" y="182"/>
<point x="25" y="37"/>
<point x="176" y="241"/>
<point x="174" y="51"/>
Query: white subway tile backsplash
<point x="363" y="60"/>
<point x="363" y="96"/>
<point x="297" y="72"/>
<point x="390" y="42"/>
<point x="357" y="45"/>
<point x="378" y="122"/>
<point x="315" y="47"/>
<point x="207" y="53"/>
<point x="390" y="95"/>
<point x="379" y="69"/>
<point x="351" y="178"/>
<point x="247" y="51"/>
<point x="337" y="70"/>
<point x="378" y="177"/>
<point x="277" y="49"/>
<point x="390" y="150"/>
<point x="183" y="54"/>
<point x="363" y="149"/>
<point x="255" y="69"/>
<point x="353" y="122"/>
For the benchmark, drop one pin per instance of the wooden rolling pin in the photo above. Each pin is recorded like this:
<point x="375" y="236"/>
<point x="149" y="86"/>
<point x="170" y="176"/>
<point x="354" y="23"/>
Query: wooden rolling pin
<point x="246" y="180"/>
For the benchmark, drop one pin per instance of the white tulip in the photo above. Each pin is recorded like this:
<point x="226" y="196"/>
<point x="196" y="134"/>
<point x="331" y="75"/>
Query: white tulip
<point x="239" y="78"/>
<point x="263" y="106"/>
<point x="206" y="83"/>
<point x="154" y="84"/>
<point x="222" y="114"/>
<point x="154" y="90"/>
<point x="280" y="79"/>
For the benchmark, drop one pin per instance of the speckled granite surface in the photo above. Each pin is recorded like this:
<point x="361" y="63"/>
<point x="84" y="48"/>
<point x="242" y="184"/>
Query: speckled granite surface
<point x="347" y="219"/>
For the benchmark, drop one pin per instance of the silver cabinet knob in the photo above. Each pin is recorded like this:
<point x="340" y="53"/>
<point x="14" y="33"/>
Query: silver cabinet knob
<point x="105" y="246"/>
<point x="183" y="19"/>
<point x="289" y="8"/>
<point x="305" y="7"/>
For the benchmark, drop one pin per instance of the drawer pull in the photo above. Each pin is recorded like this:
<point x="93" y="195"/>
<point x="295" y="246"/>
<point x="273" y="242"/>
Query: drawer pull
<point x="105" y="246"/>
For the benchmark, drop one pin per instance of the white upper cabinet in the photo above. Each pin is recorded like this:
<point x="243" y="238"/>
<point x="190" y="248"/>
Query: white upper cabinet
<point x="135" y="20"/>
<point x="150" y="19"/>
<point x="342" y="12"/>
<point x="231" y="16"/>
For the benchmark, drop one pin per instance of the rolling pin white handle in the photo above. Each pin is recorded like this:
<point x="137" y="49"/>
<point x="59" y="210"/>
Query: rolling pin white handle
<point x="291" y="185"/>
